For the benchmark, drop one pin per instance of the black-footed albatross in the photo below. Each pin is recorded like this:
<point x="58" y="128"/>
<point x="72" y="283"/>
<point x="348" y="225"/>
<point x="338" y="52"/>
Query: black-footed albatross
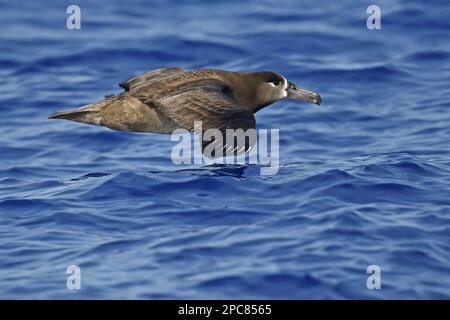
<point x="166" y="99"/>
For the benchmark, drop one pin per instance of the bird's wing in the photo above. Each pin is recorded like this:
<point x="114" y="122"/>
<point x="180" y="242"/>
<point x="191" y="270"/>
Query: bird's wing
<point x="215" y="109"/>
<point x="150" y="76"/>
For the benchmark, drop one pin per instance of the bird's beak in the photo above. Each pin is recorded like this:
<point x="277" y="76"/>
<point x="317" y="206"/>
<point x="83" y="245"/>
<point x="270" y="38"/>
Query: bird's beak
<point x="297" y="93"/>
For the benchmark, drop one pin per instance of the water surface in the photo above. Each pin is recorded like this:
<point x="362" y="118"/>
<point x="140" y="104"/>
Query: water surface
<point x="364" y="179"/>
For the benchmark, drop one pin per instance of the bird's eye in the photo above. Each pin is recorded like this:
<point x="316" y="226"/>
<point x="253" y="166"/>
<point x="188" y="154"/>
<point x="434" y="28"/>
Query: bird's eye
<point x="276" y="82"/>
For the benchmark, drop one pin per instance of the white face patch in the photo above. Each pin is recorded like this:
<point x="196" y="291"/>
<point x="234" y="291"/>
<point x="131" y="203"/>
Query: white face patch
<point x="283" y="92"/>
<point x="285" y="83"/>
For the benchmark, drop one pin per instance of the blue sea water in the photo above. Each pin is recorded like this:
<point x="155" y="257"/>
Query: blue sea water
<point x="364" y="179"/>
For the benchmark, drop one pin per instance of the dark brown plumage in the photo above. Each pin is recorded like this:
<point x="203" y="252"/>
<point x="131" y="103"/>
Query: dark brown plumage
<point x="165" y="99"/>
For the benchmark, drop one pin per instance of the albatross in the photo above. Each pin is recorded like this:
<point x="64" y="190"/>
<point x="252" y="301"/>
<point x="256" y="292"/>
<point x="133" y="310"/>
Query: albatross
<point x="166" y="99"/>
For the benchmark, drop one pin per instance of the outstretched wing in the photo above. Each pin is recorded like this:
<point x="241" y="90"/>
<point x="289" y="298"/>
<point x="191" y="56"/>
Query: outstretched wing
<point x="148" y="77"/>
<point x="211" y="106"/>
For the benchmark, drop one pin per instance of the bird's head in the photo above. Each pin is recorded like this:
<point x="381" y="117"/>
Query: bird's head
<point x="270" y="87"/>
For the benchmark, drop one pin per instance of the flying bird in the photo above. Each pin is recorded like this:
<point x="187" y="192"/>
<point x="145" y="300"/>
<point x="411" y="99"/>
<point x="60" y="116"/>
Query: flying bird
<point x="166" y="99"/>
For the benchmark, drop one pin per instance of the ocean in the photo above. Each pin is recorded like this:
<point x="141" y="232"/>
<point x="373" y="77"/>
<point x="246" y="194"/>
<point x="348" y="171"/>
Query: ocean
<point x="363" y="180"/>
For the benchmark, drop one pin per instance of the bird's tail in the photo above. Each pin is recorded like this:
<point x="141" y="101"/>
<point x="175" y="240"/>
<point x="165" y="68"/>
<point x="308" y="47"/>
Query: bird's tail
<point x="117" y="112"/>
<point x="87" y="114"/>
<point x="68" y="115"/>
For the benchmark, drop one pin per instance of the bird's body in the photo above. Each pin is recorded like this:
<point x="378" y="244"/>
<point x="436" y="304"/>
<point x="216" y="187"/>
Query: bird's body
<point x="165" y="99"/>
